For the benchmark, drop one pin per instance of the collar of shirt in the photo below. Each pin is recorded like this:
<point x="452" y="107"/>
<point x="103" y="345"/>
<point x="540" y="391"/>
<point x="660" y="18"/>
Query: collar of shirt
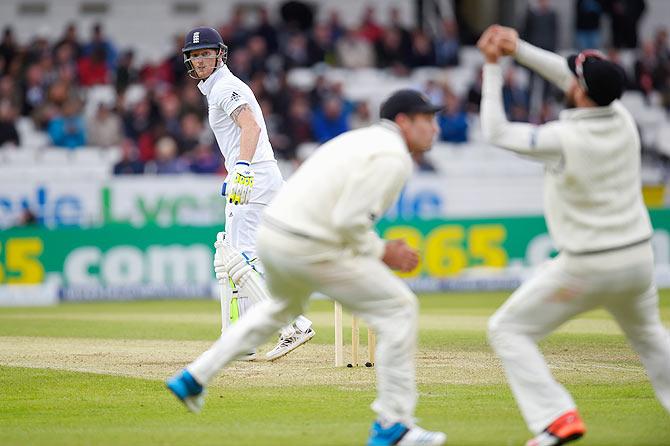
<point x="586" y="113"/>
<point x="393" y="127"/>
<point x="205" y="86"/>
<point x="390" y="125"/>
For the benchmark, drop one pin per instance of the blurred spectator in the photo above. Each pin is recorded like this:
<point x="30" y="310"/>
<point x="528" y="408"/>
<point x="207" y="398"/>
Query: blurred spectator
<point x="129" y="163"/>
<point x="321" y="46"/>
<point x="239" y="62"/>
<point x="320" y="91"/>
<point x="541" y="30"/>
<point x="453" y="121"/>
<point x="515" y="98"/>
<point x="258" y="55"/>
<point x="138" y="120"/>
<point x="330" y="119"/>
<point x="147" y="143"/>
<point x="205" y="160"/>
<point x="274" y="125"/>
<point x="98" y="40"/>
<point x="353" y="51"/>
<point x="34" y="91"/>
<point x="587" y="24"/>
<point x="447" y="44"/>
<point x="369" y="28"/>
<point x="68" y="129"/>
<point x="8" y="132"/>
<point x="104" y="128"/>
<point x="297" y="126"/>
<point x="361" y="116"/>
<point x="624" y="19"/>
<point x="70" y="41"/>
<point x="174" y="64"/>
<point x="192" y="101"/>
<point x="60" y="92"/>
<point x="65" y="60"/>
<point x="166" y="161"/>
<point x="296" y="53"/>
<point x="126" y="73"/>
<point x="390" y="52"/>
<point x="541" y="26"/>
<point x="170" y="112"/>
<point x="646" y="67"/>
<point x="337" y="30"/>
<point x="9" y="91"/>
<point x="93" y="68"/>
<point x="422" y="52"/>
<point x="8" y="49"/>
<point x="189" y="137"/>
<point x="395" y="22"/>
<point x="267" y="31"/>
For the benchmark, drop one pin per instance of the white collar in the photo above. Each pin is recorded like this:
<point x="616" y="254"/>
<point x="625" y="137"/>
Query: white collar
<point x="205" y="86"/>
<point x="390" y="125"/>
<point x="587" y="112"/>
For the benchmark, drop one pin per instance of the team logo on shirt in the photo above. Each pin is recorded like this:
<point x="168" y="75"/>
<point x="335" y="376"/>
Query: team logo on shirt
<point x="235" y="96"/>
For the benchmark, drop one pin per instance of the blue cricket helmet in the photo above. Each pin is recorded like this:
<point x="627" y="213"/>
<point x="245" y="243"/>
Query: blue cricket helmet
<point x="203" y="38"/>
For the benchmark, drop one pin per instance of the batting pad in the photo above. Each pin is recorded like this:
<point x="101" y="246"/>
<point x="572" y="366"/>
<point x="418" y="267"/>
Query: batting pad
<point x="230" y="261"/>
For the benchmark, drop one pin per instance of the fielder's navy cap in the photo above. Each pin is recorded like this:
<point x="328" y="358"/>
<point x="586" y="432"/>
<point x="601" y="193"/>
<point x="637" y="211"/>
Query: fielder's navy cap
<point x="605" y="80"/>
<point x="408" y="102"/>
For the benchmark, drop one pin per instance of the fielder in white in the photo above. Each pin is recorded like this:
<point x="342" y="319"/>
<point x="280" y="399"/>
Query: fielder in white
<point x="253" y="180"/>
<point x="597" y="219"/>
<point x="318" y="235"/>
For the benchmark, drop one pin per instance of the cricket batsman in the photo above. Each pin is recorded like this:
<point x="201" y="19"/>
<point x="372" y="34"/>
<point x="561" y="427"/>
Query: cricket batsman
<point x="253" y="179"/>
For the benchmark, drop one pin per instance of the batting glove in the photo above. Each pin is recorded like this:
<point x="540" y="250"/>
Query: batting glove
<point x="241" y="184"/>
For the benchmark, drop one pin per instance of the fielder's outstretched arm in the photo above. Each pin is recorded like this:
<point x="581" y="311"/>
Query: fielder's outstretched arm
<point x="540" y="142"/>
<point x="550" y="66"/>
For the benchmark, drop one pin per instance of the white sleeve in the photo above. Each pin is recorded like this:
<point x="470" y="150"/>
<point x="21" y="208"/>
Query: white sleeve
<point x="367" y="193"/>
<point x="539" y="142"/>
<point x="550" y="66"/>
<point x="228" y="98"/>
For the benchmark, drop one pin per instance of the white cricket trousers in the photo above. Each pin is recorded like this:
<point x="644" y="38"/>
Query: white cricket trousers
<point x="621" y="281"/>
<point x="242" y="224"/>
<point x="295" y="267"/>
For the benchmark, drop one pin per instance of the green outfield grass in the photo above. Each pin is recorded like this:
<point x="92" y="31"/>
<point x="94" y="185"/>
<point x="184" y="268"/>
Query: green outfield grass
<point x="92" y="374"/>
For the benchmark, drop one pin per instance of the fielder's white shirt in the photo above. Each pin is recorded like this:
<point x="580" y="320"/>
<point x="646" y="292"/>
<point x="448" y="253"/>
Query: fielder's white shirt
<point x="593" y="190"/>
<point x="338" y="194"/>
<point x="225" y="92"/>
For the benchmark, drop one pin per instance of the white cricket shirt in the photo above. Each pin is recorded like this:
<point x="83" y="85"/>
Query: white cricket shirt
<point x="225" y="92"/>
<point x="593" y="190"/>
<point x="338" y="194"/>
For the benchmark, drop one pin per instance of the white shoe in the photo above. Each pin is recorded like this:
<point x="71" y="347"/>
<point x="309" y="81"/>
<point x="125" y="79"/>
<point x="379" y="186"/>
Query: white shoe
<point x="417" y="436"/>
<point x="289" y="343"/>
<point x="403" y="435"/>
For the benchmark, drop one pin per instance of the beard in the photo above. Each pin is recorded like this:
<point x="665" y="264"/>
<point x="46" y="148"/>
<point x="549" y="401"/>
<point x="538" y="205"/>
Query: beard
<point x="569" y="101"/>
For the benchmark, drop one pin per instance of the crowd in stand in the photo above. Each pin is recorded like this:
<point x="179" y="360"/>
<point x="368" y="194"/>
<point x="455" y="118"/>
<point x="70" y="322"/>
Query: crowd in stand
<point x="164" y="128"/>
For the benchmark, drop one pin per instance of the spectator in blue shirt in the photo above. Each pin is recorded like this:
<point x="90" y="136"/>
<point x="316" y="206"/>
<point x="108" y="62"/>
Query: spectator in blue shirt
<point x="68" y="129"/>
<point x="330" y="120"/>
<point x="453" y="121"/>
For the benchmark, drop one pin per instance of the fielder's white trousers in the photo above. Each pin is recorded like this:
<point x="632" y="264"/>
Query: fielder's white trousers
<point x="620" y="281"/>
<point x="295" y="267"/>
